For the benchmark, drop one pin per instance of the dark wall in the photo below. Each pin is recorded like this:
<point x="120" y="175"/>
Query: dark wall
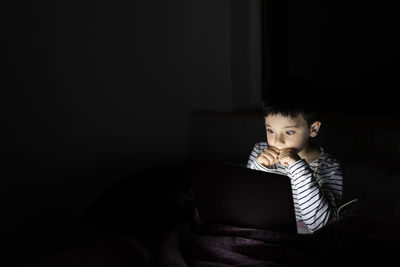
<point x="87" y="79"/>
<point x="93" y="90"/>
<point x="90" y="92"/>
<point x="348" y="49"/>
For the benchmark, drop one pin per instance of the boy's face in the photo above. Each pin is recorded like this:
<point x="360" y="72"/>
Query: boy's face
<point x="286" y="132"/>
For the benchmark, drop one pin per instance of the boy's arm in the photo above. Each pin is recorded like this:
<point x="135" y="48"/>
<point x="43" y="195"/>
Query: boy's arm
<point x="253" y="156"/>
<point x="317" y="197"/>
<point x="252" y="162"/>
<point x="257" y="166"/>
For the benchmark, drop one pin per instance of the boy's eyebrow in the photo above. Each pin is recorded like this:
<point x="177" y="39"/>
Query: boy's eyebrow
<point x="292" y="126"/>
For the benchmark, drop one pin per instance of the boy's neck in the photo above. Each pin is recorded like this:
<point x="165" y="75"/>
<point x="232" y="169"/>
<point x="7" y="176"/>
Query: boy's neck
<point x="310" y="153"/>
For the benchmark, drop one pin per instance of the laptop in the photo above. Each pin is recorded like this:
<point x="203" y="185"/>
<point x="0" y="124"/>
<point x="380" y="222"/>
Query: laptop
<point x="238" y="196"/>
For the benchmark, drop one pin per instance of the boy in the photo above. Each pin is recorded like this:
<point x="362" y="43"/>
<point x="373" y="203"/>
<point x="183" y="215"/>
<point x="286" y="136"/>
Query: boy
<point x="316" y="178"/>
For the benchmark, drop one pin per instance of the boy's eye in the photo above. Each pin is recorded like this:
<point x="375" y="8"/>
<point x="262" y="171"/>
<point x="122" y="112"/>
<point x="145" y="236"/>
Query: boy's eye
<point x="270" y="131"/>
<point x="290" y="132"/>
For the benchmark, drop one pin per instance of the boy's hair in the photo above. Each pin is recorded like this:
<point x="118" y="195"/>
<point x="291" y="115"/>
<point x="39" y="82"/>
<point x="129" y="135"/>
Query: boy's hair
<point x="293" y="99"/>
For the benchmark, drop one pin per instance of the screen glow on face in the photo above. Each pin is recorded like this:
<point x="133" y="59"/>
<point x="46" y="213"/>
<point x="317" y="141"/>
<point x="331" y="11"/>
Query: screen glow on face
<point x="286" y="132"/>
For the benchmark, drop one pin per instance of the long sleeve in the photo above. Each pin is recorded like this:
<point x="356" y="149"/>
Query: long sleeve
<point x="317" y="194"/>
<point x="257" y="166"/>
<point x="252" y="162"/>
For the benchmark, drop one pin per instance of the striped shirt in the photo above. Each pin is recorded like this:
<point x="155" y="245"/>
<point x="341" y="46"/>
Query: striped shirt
<point x="317" y="187"/>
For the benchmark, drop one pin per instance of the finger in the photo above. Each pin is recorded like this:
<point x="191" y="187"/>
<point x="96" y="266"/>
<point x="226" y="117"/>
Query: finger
<point x="273" y="161"/>
<point x="292" y="153"/>
<point x="283" y="159"/>
<point x="272" y="153"/>
<point x="269" y="156"/>
<point x="289" y="152"/>
<point x="283" y="154"/>
<point x="285" y="150"/>
<point x="274" y="149"/>
<point x="263" y="161"/>
<point x="267" y="159"/>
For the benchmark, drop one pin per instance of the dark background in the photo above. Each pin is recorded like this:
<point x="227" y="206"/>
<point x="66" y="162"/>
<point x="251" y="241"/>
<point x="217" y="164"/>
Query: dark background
<point x="94" y="90"/>
<point x="347" y="49"/>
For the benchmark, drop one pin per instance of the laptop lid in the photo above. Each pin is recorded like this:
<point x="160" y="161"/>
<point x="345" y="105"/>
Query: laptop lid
<point x="234" y="195"/>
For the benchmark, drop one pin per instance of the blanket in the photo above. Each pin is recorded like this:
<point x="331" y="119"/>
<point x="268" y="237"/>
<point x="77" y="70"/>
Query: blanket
<point x="216" y="245"/>
<point x="351" y="241"/>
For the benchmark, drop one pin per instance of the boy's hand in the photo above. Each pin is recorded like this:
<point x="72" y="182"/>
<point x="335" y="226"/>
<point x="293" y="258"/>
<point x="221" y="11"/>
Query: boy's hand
<point x="268" y="157"/>
<point x="288" y="156"/>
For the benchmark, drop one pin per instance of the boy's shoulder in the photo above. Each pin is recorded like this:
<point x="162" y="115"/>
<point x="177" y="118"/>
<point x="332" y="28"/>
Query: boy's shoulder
<point x="327" y="159"/>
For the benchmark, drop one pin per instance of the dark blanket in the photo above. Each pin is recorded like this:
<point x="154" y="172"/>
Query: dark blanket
<point x="198" y="244"/>
<point x="352" y="241"/>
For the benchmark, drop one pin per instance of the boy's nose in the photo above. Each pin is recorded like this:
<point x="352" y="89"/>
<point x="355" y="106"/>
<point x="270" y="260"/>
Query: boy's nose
<point x="279" y="141"/>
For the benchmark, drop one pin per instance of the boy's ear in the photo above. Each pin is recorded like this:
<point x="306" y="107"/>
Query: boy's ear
<point x="315" y="128"/>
